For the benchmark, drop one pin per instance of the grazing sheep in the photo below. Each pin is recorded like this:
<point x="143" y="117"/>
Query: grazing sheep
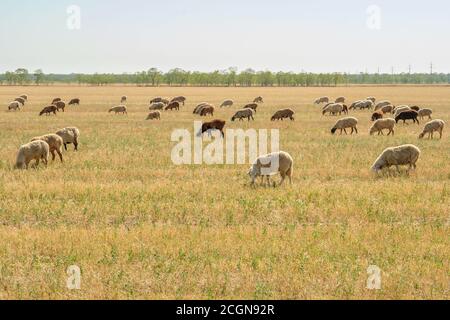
<point x="253" y="106"/>
<point x="387" y="109"/>
<point x="344" y="124"/>
<point x="156" y="100"/>
<point x="322" y="100"/>
<point x="199" y="108"/>
<point x="333" y="109"/>
<point x="179" y="99"/>
<point x="213" y="125"/>
<point x="407" y="154"/>
<point x="123" y="99"/>
<point x="61" y="105"/>
<point x="258" y="100"/>
<point x="381" y="104"/>
<point x="283" y="114"/>
<point x="14" y="106"/>
<point x="24" y="96"/>
<point x="207" y="110"/>
<point x="415" y="108"/>
<point x="407" y="115"/>
<point x="75" y="101"/>
<point x="56" y="100"/>
<point x="377" y="115"/>
<point x="119" y="109"/>
<point x="431" y="127"/>
<point x="364" y="104"/>
<point x="244" y="113"/>
<point x="173" y="105"/>
<point x="69" y="135"/>
<point x="165" y="101"/>
<point x="373" y="99"/>
<point x="36" y="150"/>
<point x="381" y="125"/>
<point x="227" y="103"/>
<point x="425" y="113"/>
<point x="340" y="100"/>
<point x="20" y="100"/>
<point x="48" y="110"/>
<point x="157" y="106"/>
<point x="397" y="110"/>
<point x="154" y="115"/>
<point x="271" y="164"/>
<point x="352" y="106"/>
<point x="54" y="142"/>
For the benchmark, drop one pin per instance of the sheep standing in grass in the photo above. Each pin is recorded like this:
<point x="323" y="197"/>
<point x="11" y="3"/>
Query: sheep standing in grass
<point x="253" y="106"/>
<point x="383" y="124"/>
<point x="407" y="115"/>
<point x="201" y="106"/>
<point x="340" y="100"/>
<point x="123" y="99"/>
<point x="258" y="100"/>
<point x="207" y="110"/>
<point x="157" y="106"/>
<point x="55" y="144"/>
<point x="344" y="124"/>
<point x="179" y="99"/>
<point x="75" y="101"/>
<point x="14" y="106"/>
<point x="407" y="154"/>
<point x="283" y="114"/>
<point x="431" y="127"/>
<point x="364" y="104"/>
<point x="36" y="150"/>
<point x="377" y="115"/>
<point x="69" y="135"/>
<point x="353" y="105"/>
<point x="154" y="115"/>
<point x="333" y="109"/>
<point x="381" y="104"/>
<point x="373" y="99"/>
<point x="56" y="100"/>
<point x="24" y="96"/>
<point x="119" y="109"/>
<point x="173" y="105"/>
<point x="60" y="105"/>
<point x="20" y="100"/>
<point x="213" y="125"/>
<point x="322" y="100"/>
<point x="271" y="164"/>
<point x="387" y="109"/>
<point x="49" y="110"/>
<point x="244" y="113"/>
<point x="425" y="113"/>
<point x="227" y="103"/>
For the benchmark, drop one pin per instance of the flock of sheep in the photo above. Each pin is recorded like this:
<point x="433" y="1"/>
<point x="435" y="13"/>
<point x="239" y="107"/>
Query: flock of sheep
<point x="39" y="148"/>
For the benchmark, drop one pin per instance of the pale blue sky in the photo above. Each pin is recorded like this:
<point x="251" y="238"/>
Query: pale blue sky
<point x="289" y="35"/>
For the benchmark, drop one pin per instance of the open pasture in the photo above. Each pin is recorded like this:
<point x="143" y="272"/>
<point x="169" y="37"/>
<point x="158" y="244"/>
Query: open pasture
<point x="140" y="227"/>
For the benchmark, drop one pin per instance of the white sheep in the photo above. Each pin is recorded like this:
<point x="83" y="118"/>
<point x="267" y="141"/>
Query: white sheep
<point x="383" y="124"/>
<point x="55" y="143"/>
<point x="14" y="106"/>
<point x="333" y="108"/>
<point x="344" y="124"/>
<point x="431" y="127"/>
<point x="322" y="100"/>
<point x="381" y="104"/>
<point x="244" y="113"/>
<point x="69" y="135"/>
<point x="363" y="104"/>
<point x="340" y="100"/>
<point x="407" y="154"/>
<point x="271" y="164"/>
<point x="119" y="109"/>
<point x="425" y="113"/>
<point x="36" y="150"/>
<point x="373" y="99"/>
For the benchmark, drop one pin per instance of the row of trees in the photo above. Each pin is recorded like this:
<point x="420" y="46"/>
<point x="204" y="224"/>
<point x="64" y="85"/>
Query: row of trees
<point x="230" y="77"/>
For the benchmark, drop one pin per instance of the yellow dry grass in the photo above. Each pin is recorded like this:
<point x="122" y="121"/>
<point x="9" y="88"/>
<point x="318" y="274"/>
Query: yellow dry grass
<point x="141" y="228"/>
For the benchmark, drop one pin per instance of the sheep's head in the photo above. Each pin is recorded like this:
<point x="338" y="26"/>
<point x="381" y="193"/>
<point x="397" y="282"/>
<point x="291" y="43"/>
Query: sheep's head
<point x="421" y="135"/>
<point x="333" y="131"/>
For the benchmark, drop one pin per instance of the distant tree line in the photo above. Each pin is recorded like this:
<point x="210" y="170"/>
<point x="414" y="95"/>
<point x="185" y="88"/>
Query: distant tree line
<point x="227" y="78"/>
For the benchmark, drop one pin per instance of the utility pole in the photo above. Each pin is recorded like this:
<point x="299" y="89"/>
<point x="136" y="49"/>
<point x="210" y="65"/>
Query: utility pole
<point x="409" y="69"/>
<point x="431" y="68"/>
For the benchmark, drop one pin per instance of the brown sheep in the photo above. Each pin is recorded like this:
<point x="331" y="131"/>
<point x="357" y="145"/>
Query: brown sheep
<point x="213" y="125"/>
<point x="340" y="100"/>
<point x="258" y="100"/>
<point x="154" y="115"/>
<point x="56" y="100"/>
<point x="283" y="114"/>
<point x="415" y="108"/>
<point x="75" y="101"/>
<point x="123" y="99"/>
<point x="179" y="99"/>
<point x="173" y="105"/>
<point x="407" y="115"/>
<point x="20" y="100"/>
<point x="48" y="110"/>
<point x="377" y="115"/>
<point x="207" y="110"/>
<point x="60" y="105"/>
<point x="252" y="106"/>
<point x="387" y="109"/>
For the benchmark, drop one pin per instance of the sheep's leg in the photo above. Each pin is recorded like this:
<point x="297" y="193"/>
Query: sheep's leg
<point x="283" y="177"/>
<point x="65" y="146"/>
<point x="53" y="155"/>
<point x="60" y="155"/>
<point x="356" y="130"/>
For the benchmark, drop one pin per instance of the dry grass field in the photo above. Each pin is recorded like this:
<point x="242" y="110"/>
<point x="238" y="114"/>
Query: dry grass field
<point x="140" y="227"/>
